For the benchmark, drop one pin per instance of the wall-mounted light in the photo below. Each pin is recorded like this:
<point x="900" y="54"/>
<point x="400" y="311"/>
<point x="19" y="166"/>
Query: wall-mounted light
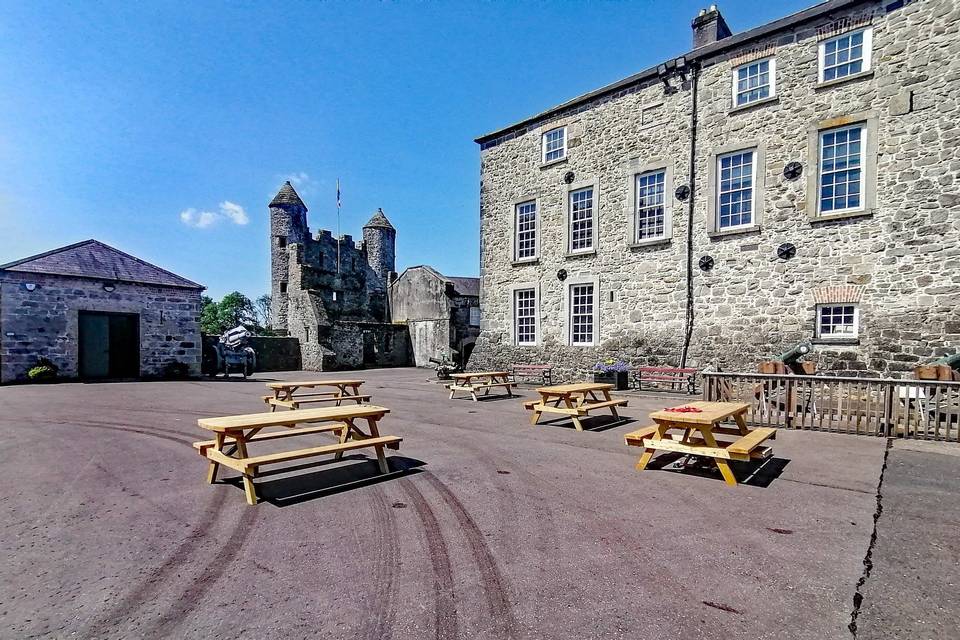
<point x="109" y="287"/>
<point x="30" y="286"/>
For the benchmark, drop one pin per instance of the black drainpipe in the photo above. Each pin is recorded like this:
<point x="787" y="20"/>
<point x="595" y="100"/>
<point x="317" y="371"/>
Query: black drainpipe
<point x="688" y="326"/>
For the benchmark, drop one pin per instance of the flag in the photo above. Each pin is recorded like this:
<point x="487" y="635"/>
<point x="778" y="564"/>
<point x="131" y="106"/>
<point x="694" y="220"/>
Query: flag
<point x="338" y="193"/>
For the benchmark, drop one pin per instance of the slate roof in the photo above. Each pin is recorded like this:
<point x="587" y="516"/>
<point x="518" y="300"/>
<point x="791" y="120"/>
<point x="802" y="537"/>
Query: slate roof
<point x="463" y="286"/>
<point x="94" y="259"/>
<point x="378" y="220"/>
<point x="287" y="196"/>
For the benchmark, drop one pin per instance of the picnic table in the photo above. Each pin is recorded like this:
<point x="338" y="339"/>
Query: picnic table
<point x="284" y="393"/>
<point x="232" y="435"/>
<point x="578" y="400"/>
<point x="700" y="423"/>
<point x="473" y="381"/>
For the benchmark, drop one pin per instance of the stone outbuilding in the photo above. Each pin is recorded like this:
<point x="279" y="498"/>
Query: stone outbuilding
<point x="441" y="312"/>
<point x="97" y="312"/>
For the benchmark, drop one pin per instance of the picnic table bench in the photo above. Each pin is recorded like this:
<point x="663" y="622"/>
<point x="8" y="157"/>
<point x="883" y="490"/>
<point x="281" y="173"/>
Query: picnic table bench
<point x="674" y="375"/>
<point x="542" y="371"/>
<point x="284" y="393"/>
<point x="578" y="400"/>
<point x="700" y="429"/>
<point x="232" y="434"/>
<point x="474" y="381"/>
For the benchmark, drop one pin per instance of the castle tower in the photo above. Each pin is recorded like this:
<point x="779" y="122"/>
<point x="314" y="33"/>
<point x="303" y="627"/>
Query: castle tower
<point x="288" y="226"/>
<point x="380" y="238"/>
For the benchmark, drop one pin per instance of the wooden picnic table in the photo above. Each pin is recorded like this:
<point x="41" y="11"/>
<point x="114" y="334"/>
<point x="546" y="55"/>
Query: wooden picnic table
<point x="473" y="381"/>
<point x="578" y="400"/>
<point x="284" y="393"/>
<point x="700" y="429"/>
<point x="232" y="434"/>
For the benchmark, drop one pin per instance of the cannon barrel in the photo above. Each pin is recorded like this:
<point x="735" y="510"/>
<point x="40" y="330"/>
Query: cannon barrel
<point x="952" y="361"/>
<point x="796" y="353"/>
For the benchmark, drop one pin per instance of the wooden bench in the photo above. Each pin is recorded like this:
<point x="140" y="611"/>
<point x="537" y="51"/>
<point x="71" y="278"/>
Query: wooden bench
<point x="542" y="371"/>
<point x="673" y="375"/>
<point x="239" y="431"/>
<point x="699" y="423"/>
<point x="310" y="398"/>
<point x="473" y="381"/>
<point x="574" y="400"/>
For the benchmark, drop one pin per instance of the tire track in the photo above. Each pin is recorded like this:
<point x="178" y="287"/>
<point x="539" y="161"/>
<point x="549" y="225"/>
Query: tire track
<point x="445" y="612"/>
<point x="491" y="579"/>
<point x="378" y="623"/>
<point x="148" y="587"/>
<point x="193" y="596"/>
<point x="179" y="437"/>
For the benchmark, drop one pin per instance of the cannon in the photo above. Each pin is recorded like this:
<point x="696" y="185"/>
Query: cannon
<point x="445" y="367"/>
<point x="791" y="361"/>
<point x="946" y="368"/>
<point x="233" y="352"/>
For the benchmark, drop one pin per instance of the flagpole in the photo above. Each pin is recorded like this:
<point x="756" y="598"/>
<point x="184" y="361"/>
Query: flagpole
<point x="338" y="225"/>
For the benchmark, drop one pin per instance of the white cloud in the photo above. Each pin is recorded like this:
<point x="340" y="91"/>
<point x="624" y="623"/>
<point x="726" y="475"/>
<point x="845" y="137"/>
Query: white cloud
<point x="203" y="219"/>
<point x="299" y="179"/>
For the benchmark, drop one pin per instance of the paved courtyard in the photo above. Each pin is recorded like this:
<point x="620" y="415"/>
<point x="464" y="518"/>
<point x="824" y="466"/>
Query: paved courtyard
<point x="488" y="528"/>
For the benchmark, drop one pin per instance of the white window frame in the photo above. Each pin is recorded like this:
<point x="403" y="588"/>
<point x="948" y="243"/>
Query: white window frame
<point x="855" y="335"/>
<point x="514" y="290"/>
<point x="562" y="148"/>
<point x="864" y="133"/>
<point x="772" y="71"/>
<point x="594" y="315"/>
<point x="755" y="156"/>
<point x="579" y="187"/>
<point x="867" y="57"/>
<point x="664" y="205"/>
<point x="536" y="230"/>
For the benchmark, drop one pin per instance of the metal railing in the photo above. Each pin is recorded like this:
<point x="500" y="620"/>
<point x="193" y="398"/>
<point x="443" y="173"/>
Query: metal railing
<point x="921" y="409"/>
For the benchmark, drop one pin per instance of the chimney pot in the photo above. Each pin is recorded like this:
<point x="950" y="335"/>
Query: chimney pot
<point x="708" y="27"/>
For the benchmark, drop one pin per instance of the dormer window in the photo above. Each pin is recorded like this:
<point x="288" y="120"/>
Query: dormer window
<point x="555" y="145"/>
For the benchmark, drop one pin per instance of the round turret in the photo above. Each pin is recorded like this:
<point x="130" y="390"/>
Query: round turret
<point x="380" y="239"/>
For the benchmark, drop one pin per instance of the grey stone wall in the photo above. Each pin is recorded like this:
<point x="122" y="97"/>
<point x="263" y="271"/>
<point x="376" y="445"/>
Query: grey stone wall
<point x="44" y="322"/>
<point x="902" y="261"/>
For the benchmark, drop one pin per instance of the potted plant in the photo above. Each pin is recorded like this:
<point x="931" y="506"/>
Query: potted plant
<point x="615" y="372"/>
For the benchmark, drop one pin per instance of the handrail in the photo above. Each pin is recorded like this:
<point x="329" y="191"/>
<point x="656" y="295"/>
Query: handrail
<point x="827" y="378"/>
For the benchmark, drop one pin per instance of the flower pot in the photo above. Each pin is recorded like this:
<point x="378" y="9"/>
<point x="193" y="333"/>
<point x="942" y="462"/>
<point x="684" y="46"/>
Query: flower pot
<point x="619" y="379"/>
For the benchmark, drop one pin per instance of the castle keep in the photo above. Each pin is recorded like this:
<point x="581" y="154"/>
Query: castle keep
<point x="798" y="181"/>
<point x="332" y="294"/>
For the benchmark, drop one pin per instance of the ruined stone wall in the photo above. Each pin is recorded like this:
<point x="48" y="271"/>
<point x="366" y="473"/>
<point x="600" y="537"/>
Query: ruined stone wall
<point x="45" y="322"/>
<point x="901" y="261"/>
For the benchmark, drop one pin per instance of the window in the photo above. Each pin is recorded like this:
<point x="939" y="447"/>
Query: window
<point x="525" y="316"/>
<point x="283" y="287"/>
<point x="650" y="215"/>
<point x="581" y="220"/>
<point x="754" y="82"/>
<point x="838" y="321"/>
<point x="555" y="144"/>
<point x="581" y="314"/>
<point x="735" y="178"/>
<point x="846" y="55"/>
<point x="282" y="241"/>
<point x="841" y="169"/>
<point x="526" y="226"/>
<point x="474" y="316"/>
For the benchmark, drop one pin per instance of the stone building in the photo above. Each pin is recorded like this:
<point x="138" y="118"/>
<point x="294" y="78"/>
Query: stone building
<point x="795" y="181"/>
<point x="332" y="293"/>
<point x="96" y="312"/>
<point x="442" y="313"/>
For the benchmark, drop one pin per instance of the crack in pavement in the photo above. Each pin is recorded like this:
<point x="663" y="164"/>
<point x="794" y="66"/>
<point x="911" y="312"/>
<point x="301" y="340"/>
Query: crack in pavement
<point x="868" y="557"/>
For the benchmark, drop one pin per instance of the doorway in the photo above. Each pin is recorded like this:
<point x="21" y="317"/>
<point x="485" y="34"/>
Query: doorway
<point x="109" y="345"/>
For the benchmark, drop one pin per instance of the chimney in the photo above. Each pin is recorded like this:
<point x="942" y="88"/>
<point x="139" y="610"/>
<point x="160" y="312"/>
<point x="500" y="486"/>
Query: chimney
<point x="708" y="27"/>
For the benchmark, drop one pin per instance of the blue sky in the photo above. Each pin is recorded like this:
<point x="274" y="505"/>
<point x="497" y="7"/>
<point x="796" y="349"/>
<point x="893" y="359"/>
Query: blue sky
<point x="164" y="128"/>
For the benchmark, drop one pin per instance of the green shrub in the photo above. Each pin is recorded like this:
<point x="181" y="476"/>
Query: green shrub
<point x="43" y="371"/>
